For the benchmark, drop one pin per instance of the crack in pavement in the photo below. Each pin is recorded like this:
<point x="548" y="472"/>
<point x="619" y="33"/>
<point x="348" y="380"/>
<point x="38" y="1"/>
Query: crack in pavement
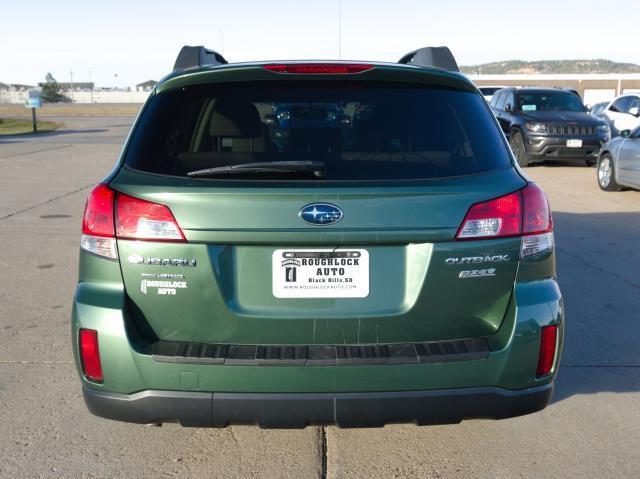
<point x="323" y="452"/>
<point x="37" y="151"/>
<point x="9" y="361"/>
<point x="600" y="366"/>
<point x="28" y="208"/>
<point x="596" y="267"/>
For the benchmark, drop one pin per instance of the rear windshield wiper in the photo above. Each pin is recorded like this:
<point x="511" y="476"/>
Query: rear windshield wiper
<point x="315" y="167"/>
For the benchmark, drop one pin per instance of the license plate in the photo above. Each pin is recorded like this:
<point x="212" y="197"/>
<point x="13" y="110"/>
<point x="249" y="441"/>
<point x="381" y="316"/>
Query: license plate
<point x="320" y="273"/>
<point x="574" y="143"/>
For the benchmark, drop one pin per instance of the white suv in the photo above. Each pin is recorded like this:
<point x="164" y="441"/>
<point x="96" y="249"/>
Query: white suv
<point x="623" y="113"/>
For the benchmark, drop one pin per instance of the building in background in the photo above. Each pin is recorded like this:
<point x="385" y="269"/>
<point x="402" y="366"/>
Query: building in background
<point x="593" y="88"/>
<point x="146" y="86"/>
<point x="75" y="86"/>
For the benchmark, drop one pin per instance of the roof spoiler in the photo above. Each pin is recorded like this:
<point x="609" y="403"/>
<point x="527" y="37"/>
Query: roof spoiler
<point x="439" y="57"/>
<point x="199" y="56"/>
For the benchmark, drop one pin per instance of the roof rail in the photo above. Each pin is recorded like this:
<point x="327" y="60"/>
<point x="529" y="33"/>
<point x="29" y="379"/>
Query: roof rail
<point x="199" y="56"/>
<point x="439" y="57"/>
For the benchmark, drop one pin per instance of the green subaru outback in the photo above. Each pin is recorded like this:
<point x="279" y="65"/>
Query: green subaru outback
<point x="295" y="243"/>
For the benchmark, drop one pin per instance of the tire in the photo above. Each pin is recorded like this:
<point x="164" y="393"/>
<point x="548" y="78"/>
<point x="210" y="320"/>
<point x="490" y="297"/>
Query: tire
<point x="516" y="142"/>
<point x="606" y="174"/>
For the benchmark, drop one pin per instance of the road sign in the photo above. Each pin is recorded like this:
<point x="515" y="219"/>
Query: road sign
<point x="33" y="103"/>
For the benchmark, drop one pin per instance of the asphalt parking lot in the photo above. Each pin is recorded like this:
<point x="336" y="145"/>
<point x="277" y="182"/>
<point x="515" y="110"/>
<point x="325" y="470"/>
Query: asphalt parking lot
<point x="590" y="430"/>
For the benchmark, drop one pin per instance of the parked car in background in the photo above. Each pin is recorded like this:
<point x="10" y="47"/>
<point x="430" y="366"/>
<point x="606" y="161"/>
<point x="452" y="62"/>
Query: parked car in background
<point x="598" y="108"/>
<point x="619" y="162"/>
<point x="623" y="113"/>
<point x="548" y="124"/>
<point x="489" y="91"/>
<point x="575" y="92"/>
<point x="305" y="118"/>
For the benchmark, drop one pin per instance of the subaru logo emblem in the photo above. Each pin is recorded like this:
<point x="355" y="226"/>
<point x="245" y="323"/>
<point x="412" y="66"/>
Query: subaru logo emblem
<point x="320" y="214"/>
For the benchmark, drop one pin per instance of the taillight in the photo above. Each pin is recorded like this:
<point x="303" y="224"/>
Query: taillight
<point x="525" y="213"/>
<point x="548" y="344"/>
<point x="498" y="218"/>
<point x="537" y="224"/>
<point x="318" y="68"/>
<point x="98" y="232"/>
<point x="143" y="220"/>
<point x="90" y="355"/>
<point x="109" y="215"/>
<point x="536" y="216"/>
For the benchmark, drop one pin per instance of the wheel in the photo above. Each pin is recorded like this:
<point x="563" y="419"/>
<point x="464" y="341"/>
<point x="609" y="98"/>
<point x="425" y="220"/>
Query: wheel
<point x="606" y="174"/>
<point x="517" y="146"/>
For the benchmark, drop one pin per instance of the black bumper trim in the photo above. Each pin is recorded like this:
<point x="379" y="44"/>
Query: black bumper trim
<point x="551" y="148"/>
<point x="314" y="355"/>
<point x="297" y="410"/>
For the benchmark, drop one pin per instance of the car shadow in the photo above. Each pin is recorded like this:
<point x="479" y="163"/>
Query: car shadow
<point x="560" y="163"/>
<point x="45" y="134"/>
<point x="598" y="263"/>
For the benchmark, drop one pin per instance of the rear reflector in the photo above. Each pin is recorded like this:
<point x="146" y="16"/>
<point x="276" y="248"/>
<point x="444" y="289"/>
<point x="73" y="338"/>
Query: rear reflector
<point x="548" y="342"/>
<point x="90" y="355"/>
<point x="144" y="220"/>
<point x="318" y="68"/>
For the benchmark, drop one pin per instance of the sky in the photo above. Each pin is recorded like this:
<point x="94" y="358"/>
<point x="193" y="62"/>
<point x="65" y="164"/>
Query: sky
<point x="122" y="43"/>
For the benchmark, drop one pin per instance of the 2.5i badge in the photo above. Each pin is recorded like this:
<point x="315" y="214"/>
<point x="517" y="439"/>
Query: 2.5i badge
<point x="320" y="273"/>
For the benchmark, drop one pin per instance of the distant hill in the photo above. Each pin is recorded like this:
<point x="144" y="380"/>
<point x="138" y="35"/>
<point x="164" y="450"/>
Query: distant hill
<point x="551" y="66"/>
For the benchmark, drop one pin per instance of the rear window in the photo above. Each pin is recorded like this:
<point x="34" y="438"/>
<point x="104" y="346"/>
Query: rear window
<point x="357" y="131"/>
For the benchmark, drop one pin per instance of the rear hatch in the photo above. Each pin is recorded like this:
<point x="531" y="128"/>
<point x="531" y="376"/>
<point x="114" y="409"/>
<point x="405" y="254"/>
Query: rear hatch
<point x="335" y="228"/>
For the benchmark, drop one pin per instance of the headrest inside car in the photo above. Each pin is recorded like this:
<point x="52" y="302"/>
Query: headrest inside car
<point x="231" y="119"/>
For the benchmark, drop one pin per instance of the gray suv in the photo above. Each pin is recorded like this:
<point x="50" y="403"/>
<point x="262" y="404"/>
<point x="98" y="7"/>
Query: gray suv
<point x="548" y="124"/>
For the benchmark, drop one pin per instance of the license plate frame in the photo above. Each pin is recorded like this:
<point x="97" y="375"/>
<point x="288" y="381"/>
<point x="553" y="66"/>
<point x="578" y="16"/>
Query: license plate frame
<point x="574" y="143"/>
<point x="320" y="273"/>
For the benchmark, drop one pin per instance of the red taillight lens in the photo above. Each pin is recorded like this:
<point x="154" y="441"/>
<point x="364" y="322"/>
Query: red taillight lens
<point x="537" y="215"/>
<point x="144" y="220"/>
<point x="98" y="213"/>
<point x="90" y="355"/>
<point x="133" y="219"/>
<point x="318" y="68"/>
<point x="525" y="212"/>
<point x="98" y="234"/>
<point x="548" y="342"/>
<point x="496" y="218"/>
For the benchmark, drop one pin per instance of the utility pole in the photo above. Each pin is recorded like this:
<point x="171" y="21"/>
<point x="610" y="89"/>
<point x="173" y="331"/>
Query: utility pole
<point x="339" y="29"/>
<point x="71" y="83"/>
<point x="91" y="88"/>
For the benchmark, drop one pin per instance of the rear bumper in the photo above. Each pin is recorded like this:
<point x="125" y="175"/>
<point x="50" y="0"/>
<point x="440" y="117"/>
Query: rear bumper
<point x="543" y="148"/>
<point x="295" y="410"/>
